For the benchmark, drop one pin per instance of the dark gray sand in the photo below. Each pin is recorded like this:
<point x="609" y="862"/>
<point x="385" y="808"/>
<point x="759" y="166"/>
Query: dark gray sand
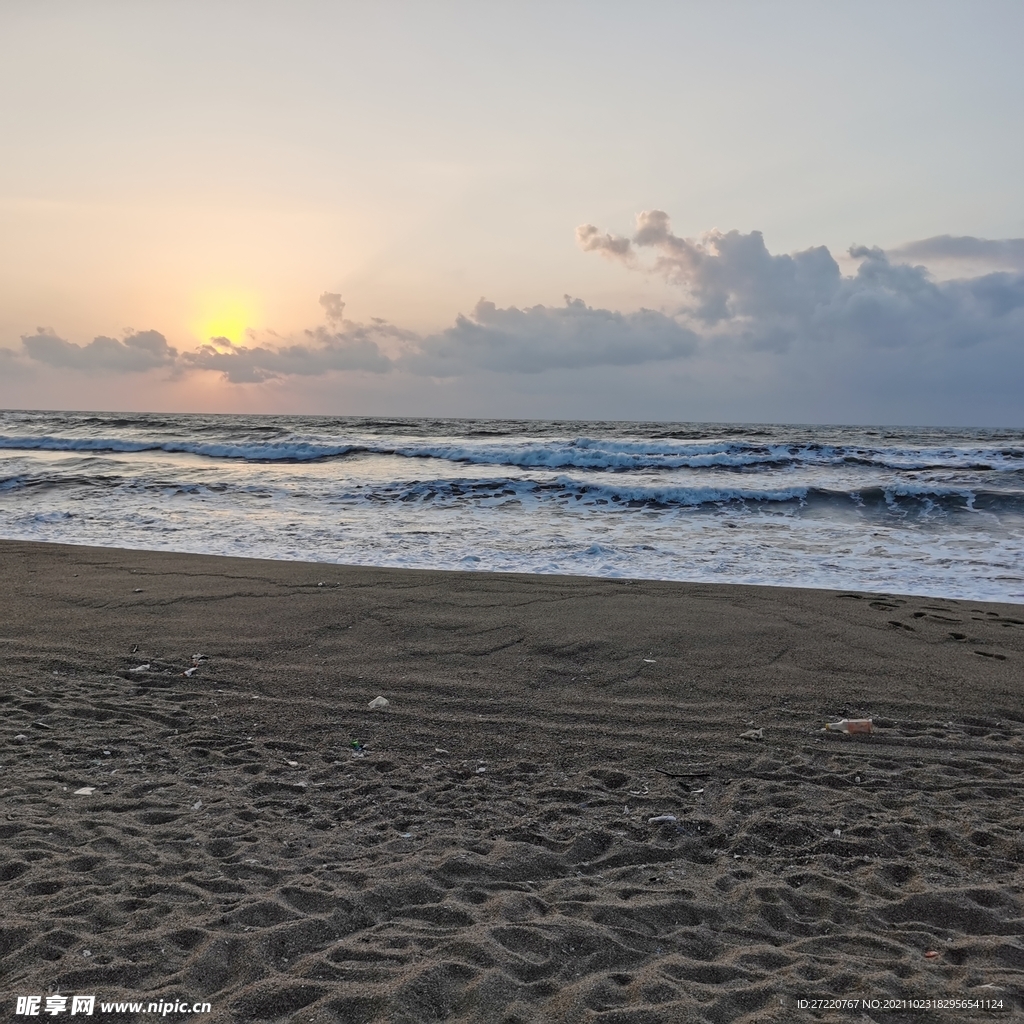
<point x="488" y="856"/>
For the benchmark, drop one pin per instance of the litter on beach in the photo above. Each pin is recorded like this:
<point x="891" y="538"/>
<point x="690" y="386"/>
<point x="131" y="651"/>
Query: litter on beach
<point x="378" y="702"/>
<point x="660" y="818"/>
<point x="85" y="791"/>
<point x="140" y="668"/>
<point x="850" y="725"/>
<point x="752" y="734"/>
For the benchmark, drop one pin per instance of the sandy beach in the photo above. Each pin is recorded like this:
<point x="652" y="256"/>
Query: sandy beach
<point x="555" y="819"/>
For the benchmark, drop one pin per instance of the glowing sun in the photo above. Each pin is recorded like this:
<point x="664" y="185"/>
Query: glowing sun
<point x="221" y="315"/>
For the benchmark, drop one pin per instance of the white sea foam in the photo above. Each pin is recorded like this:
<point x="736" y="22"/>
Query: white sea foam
<point x="583" y="453"/>
<point x="926" y="511"/>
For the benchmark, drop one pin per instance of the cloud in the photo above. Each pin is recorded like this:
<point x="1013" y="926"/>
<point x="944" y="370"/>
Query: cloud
<point x="751" y="334"/>
<point x="590" y="239"/>
<point x="334" y="307"/>
<point x="136" y="353"/>
<point x="508" y="340"/>
<point x="324" y="352"/>
<point x="998" y="252"/>
<point x="540" y="338"/>
<point x="736" y="291"/>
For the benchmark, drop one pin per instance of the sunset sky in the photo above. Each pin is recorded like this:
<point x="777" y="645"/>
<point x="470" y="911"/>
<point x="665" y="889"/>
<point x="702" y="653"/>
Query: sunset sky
<point x="800" y="212"/>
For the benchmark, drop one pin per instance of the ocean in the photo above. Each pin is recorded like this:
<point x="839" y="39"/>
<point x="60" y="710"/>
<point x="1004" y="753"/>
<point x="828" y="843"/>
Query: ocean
<point x="936" y="512"/>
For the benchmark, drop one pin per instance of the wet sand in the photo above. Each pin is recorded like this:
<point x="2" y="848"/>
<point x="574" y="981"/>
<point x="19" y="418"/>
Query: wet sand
<point x="488" y="855"/>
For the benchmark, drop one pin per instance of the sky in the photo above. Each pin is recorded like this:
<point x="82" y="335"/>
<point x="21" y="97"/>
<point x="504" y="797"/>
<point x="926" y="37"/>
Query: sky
<point x="754" y="212"/>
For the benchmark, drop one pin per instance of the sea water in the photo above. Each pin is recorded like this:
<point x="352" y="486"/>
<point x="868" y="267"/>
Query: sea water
<point x="925" y="511"/>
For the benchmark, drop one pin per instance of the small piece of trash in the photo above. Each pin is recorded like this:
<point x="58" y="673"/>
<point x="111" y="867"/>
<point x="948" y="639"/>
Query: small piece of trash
<point x="837" y="831"/>
<point x="404" y="835"/>
<point x="696" y="792"/>
<point x="292" y="764"/>
<point x="319" y="584"/>
<point x="931" y="954"/>
<point x="851" y="725"/>
<point x="480" y="771"/>
<point x="21" y="738"/>
<point x="137" y="590"/>
<point x="650" y="661"/>
<point x="190" y="671"/>
<point x="660" y="818"/>
<point x="85" y="791"/>
<point x="140" y="668"/>
<point x="198" y="805"/>
<point x="106" y="753"/>
<point x="379" y="702"/>
<point x="441" y="750"/>
<point x="197" y="658"/>
<point x="752" y="734"/>
<point x="86" y="952"/>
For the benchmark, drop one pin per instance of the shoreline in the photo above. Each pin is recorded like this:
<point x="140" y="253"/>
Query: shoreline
<point x="491" y="849"/>
<point x="501" y="574"/>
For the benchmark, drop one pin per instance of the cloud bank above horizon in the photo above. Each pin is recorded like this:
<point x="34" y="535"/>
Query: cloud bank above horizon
<point x="736" y="298"/>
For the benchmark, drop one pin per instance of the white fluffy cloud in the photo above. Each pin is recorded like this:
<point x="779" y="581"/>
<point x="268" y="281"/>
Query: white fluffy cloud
<point x="135" y="353"/>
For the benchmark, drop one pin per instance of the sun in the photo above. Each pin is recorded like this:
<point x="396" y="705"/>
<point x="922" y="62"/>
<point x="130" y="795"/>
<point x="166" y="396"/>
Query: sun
<point x="224" y="315"/>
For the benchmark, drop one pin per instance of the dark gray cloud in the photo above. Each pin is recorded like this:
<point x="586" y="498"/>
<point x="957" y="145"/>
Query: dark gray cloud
<point x="755" y="334"/>
<point x="512" y="340"/>
<point x="355" y="347"/>
<point x="736" y="290"/>
<point x="135" y="353"/>
<point x="540" y="338"/>
<point x="1007" y="253"/>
